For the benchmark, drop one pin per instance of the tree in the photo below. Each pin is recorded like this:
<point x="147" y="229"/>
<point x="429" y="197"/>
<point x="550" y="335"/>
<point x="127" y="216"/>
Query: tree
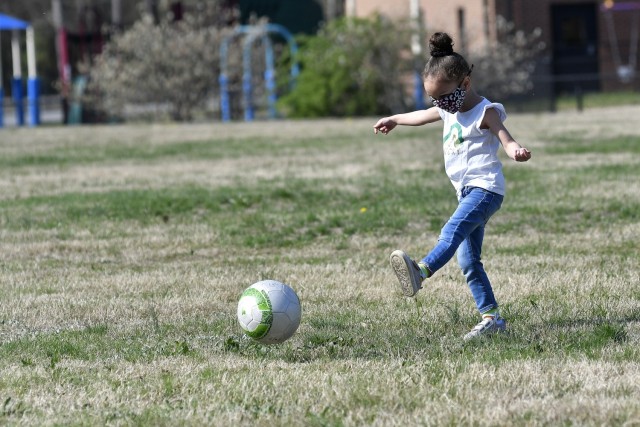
<point x="352" y="67"/>
<point x="171" y="66"/>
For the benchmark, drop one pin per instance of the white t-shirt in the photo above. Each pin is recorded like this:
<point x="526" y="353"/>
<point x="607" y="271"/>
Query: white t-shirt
<point x="470" y="153"/>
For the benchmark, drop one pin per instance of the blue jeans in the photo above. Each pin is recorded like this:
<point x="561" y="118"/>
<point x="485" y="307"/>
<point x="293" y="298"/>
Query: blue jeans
<point x="464" y="232"/>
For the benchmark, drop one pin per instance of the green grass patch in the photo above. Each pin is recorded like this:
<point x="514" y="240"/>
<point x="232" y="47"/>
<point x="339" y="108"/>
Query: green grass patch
<point x="281" y="212"/>
<point x="145" y="151"/>
<point x="576" y="145"/>
<point x="598" y="100"/>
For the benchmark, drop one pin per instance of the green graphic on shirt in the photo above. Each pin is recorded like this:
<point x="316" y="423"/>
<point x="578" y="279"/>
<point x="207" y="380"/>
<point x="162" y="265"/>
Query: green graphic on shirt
<point x="454" y="137"/>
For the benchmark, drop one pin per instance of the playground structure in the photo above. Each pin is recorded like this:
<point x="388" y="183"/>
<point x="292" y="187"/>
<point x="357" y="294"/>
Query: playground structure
<point x="252" y="33"/>
<point x="9" y="23"/>
<point x="78" y="41"/>
<point x="626" y="71"/>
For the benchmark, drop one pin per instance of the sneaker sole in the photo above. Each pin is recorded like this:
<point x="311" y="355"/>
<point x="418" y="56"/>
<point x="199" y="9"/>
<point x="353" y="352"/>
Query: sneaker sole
<point x="401" y="263"/>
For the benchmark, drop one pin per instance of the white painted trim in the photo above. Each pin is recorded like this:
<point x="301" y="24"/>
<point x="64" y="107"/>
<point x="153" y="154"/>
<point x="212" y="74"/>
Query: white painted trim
<point x="15" y="54"/>
<point x="31" y="53"/>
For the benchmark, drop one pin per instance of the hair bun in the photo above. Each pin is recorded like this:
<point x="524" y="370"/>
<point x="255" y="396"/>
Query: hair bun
<point x="440" y="44"/>
<point x="438" y="53"/>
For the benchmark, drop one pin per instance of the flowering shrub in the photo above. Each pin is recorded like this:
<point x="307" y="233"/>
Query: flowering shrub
<point x="166" y="69"/>
<point x="505" y="67"/>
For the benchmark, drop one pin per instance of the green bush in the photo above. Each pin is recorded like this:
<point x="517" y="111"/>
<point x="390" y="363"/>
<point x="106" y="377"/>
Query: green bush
<point x="352" y="67"/>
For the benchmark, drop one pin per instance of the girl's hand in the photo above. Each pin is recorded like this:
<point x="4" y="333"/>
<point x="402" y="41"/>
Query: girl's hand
<point x="521" y="154"/>
<point x="384" y="125"/>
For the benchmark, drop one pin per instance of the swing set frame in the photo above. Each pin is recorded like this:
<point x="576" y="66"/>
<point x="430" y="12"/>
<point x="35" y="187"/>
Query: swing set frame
<point x="626" y="71"/>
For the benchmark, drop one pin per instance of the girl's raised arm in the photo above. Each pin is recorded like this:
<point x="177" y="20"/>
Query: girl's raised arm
<point x="514" y="150"/>
<point x="414" y="118"/>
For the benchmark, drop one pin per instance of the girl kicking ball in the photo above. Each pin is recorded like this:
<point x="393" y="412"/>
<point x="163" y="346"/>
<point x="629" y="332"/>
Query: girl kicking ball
<point x="473" y="131"/>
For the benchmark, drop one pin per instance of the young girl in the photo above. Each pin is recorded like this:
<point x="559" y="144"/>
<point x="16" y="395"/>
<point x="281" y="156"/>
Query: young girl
<point x="473" y="130"/>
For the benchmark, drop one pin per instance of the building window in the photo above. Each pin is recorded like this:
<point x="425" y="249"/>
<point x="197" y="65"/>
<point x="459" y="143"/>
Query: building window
<point x="461" y="29"/>
<point x="485" y="12"/>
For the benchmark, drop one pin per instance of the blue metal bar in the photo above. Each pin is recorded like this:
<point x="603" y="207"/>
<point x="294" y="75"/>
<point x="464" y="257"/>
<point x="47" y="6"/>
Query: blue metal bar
<point x="225" y="104"/>
<point x="293" y="48"/>
<point x="1" y="107"/>
<point x="269" y="75"/>
<point x="16" y="90"/>
<point x="33" y="95"/>
<point x="247" y="89"/>
<point x="618" y="6"/>
<point x="270" y="78"/>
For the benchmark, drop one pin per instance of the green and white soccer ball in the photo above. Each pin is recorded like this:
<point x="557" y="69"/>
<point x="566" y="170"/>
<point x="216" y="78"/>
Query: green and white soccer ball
<point x="269" y="311"/>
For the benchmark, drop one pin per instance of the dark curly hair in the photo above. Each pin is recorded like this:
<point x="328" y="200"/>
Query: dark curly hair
<point x="444" y="62"/>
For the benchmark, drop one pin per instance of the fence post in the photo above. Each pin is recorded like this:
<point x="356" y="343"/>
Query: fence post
<point x="33" y="82"/>
<point x="579" y="97"/>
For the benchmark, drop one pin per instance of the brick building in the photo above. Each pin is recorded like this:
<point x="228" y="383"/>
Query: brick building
<point x="592" y="44"/>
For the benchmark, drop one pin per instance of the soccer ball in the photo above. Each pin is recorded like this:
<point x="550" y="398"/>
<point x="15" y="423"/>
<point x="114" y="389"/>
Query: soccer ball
<point x="269" y="311"/>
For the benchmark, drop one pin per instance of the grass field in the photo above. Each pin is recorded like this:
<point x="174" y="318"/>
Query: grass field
<point x="125" y="249"/>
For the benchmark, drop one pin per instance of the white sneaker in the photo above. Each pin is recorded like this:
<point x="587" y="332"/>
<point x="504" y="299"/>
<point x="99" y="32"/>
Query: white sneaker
<point x="488" y="325"/>
<point x="407" y="271"/>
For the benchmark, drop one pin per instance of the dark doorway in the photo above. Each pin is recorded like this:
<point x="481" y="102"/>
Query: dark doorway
<point x="575" y="47"/>
<point x="297" y="16"/>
